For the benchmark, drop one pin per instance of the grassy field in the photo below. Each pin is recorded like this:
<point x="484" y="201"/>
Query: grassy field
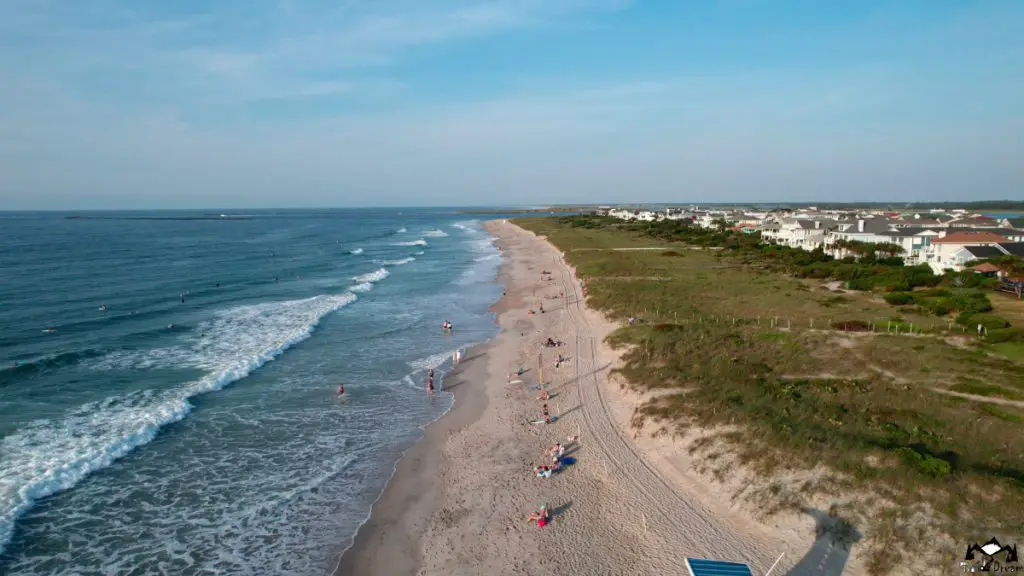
<point x="924" y="426"/>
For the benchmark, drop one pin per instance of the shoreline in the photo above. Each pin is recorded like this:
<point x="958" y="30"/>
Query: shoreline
<point x="629" y="504"/>
<point x="388" y="541"/>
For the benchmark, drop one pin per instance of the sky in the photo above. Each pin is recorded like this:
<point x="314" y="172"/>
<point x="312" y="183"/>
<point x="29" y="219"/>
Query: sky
<point x="315" y="103"/>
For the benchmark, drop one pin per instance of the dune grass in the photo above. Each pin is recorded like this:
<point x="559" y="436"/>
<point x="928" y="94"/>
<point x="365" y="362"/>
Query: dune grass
<point x="747" y="347"/>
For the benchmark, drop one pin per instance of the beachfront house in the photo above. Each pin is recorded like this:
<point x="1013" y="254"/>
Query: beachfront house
<point x="947" y="250"/>
<point x="869" y="231"/>
<point x="914" y="241"/>
<point x="799" y="232"/>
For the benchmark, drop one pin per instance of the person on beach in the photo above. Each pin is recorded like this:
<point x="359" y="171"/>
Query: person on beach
<point x="544" y="471"/>
<point x="544" y="397"/>
<point x="556" y="452"/>
<point x="541" y="516"/>
<point x="547" y="414"/>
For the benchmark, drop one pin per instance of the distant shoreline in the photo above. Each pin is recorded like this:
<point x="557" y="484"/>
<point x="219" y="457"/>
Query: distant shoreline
<point x="204" y="217"/>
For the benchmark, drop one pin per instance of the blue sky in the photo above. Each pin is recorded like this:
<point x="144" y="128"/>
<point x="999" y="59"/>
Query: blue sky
<point x="287" y="103"/>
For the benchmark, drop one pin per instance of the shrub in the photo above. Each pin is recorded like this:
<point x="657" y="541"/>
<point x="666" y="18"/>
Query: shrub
<point x="933" y="293"/>
<point x="899" y="298"/>
<point x="936" y="306"/>
<point x="835" y="301"/>
<point x="853" y="326"/>
<point x="989" y="321"/>
<point x="670" y="253"/>
<point x="1005" y="335"/>
<point x="924" y="463"/>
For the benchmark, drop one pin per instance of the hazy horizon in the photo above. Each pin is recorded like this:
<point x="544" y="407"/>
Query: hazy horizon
<point x="111" y="104"/>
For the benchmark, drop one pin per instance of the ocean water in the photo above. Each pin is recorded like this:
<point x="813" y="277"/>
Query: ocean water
<point x="193" y="427"/>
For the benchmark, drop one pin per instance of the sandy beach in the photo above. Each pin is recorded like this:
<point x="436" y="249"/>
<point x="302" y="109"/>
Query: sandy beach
<point x="629" y="504"/>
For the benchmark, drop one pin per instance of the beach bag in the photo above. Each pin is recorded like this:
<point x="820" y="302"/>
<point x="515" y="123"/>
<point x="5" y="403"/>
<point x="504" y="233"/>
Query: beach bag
<point x="541" y="522"/>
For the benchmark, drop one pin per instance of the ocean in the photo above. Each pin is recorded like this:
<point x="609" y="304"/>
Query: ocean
<point x="193" y="426"/>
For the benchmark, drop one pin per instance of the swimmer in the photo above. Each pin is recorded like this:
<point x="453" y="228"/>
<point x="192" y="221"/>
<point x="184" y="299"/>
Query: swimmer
<point x="171" y="326"/>
<point x="341" y="389"/>
<point x="103" y="307"/>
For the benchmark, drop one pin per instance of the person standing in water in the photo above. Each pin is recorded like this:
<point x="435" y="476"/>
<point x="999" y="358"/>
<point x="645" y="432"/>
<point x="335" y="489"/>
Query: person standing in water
<point x="430" y="382"/>
<point x="341" y="389"/>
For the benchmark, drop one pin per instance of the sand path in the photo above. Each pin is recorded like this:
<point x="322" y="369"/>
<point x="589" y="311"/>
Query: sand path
<point x="614" y="477"/>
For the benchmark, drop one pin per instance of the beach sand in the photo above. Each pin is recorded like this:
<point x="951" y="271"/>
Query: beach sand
<point x="630" y="504"/>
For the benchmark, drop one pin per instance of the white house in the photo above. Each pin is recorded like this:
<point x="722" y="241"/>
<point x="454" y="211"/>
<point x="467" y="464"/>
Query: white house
<point x="946" y="251"/>
<point x="799" y="232"/>
<point x="872" y="231"/>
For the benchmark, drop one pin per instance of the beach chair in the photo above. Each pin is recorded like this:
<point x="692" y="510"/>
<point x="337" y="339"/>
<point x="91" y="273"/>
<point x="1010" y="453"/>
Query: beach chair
<point x="702" y="567"/>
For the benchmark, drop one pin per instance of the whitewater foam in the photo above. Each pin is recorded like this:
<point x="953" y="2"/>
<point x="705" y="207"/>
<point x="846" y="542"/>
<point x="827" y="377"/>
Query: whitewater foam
<point x="419" y="242"/>
<point x="362" y="287"/>
<point x="356" y="251"/>
<point x="46" y="456"/>
<point x="468" y="226"/>
<point x="435" y="234"/>
<point x="396" y="262"/>
<point x="375" y="276"/>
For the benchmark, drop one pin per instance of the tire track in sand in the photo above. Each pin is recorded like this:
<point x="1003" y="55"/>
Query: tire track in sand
<point x="683" y="525"/>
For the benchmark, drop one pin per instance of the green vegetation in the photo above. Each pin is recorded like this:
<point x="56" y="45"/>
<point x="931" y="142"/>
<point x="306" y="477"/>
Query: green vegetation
<point x="747" y="340"/>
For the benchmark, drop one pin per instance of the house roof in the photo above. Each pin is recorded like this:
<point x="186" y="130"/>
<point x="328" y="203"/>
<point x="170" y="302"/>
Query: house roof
<point x="920" y="221"/>
<point x="981" y="252"/>
<point x="970" y="238"/>
<point x="909" y="231"/>
<point x="1014" y="248"/>
<point x="985" y="267"/>
<point x="1005" y="231"/>
<point x="871" y="226"/>
<point x="975" y="221"/>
